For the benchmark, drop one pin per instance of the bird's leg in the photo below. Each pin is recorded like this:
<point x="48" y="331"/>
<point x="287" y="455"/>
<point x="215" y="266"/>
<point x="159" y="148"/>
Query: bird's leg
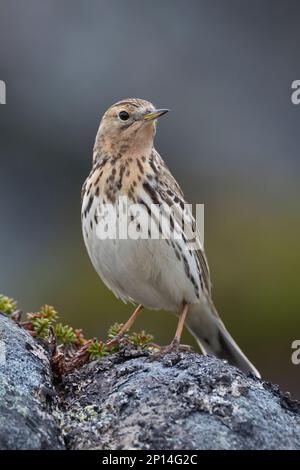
<point x="176" y="341"/>
<point x="175" y="344"/>
<point x="125" y="327"/>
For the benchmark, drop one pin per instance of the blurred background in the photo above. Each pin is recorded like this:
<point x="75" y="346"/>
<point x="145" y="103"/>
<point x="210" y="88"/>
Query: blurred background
<point x="232" y="140"/>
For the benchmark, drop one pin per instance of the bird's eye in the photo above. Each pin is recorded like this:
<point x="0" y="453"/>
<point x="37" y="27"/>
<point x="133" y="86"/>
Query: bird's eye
<point x="123" y="115"/>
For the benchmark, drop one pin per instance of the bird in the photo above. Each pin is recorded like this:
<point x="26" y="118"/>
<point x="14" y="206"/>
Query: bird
<point x="166" y="273"/>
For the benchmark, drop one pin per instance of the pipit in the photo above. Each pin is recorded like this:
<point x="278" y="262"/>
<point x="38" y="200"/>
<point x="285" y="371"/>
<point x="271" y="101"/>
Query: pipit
<point x="165" y="272"/>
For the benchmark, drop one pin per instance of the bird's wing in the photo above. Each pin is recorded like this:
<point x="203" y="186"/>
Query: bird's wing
<point x="171" y="193"/>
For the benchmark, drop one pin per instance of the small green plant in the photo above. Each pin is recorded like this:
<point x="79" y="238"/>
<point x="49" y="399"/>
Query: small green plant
<point x="40" y="323"/>
<point x="80" y="339"/>
<point x="65" y="334"/>
<point x="98" y="349"/>
<point x="114" y="330"/>
<point x="7" y="305"/>
<point x="141" y="339"/>
<point x="41" y="327"/>
<point x="49" y="312"/>
<point x="43" y="320"/>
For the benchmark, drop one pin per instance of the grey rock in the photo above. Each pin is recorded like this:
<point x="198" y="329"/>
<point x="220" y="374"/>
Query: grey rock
<point x="182" y="401"/>
<point x="130" y="401"/>
<point x="27" y="396"/>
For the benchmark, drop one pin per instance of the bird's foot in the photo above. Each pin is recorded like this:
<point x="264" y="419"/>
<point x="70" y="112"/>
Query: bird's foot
<point x="174" y="347"/>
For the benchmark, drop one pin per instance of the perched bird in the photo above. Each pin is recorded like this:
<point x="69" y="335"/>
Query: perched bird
<point x="161" y="273"/>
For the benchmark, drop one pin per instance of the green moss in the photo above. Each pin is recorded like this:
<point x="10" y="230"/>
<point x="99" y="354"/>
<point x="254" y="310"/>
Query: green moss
<point x="7" y="305"/>
<point x="140" y="339"/>
<point x="98" y="349"/>
<point x="47" y="318"/>
<point x="114" y="330"/>
<point x="41" y="327"/>
<point x="65" y="334"/>
<point x="43" y="320"/>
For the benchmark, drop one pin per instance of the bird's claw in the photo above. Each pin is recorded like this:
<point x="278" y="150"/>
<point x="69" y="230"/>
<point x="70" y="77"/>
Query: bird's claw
<point x="174" y="347"/>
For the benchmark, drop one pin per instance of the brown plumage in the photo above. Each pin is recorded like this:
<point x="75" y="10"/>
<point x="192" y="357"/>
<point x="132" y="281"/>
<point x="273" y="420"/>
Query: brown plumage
<point x="168" y="273"/>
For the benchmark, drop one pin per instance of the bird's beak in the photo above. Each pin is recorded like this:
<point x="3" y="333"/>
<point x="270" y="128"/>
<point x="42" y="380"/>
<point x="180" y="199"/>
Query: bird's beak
<point x="156" y="113"/>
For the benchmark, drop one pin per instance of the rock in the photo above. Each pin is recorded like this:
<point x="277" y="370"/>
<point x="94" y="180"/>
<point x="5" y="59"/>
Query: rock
<point x="27" y="396"/>
<point x="130" y="401"/>
<point x="183" y="401"/>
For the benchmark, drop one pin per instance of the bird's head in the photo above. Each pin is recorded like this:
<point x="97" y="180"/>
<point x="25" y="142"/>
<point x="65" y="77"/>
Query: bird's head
<point x="130" y="122"/>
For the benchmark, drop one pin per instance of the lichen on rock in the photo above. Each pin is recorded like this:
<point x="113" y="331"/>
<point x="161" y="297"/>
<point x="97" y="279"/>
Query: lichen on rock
<point x="182" y="401"/>
<point x="130" y="400"/>
<point x="27" y="395"/>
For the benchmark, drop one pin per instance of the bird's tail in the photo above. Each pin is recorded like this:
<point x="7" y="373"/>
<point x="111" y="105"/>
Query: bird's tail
<point x="208" y="329"/>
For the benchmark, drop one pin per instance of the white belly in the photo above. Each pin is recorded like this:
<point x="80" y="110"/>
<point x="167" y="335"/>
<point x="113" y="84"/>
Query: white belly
<point x="142" y="271"/>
